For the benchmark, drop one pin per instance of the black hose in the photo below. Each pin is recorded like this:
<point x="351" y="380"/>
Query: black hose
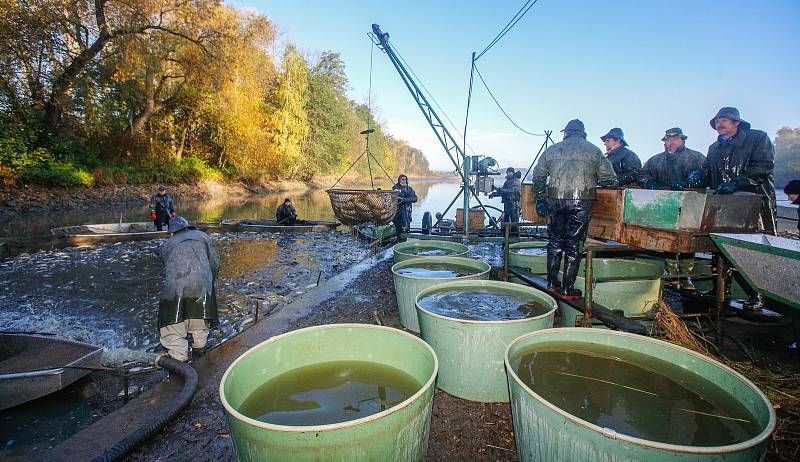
<point x="158" y="420"/>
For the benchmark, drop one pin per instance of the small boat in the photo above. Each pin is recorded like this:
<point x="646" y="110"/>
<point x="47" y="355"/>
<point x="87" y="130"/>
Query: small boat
<point x="117" y="232"/>
<point x="300" y="226"/>
<point x="32" y="366"/>
<point x="767" y="263"/>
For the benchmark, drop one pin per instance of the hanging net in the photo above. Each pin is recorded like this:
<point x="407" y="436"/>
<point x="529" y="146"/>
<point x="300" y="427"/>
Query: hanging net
<point x="356" y="206"/>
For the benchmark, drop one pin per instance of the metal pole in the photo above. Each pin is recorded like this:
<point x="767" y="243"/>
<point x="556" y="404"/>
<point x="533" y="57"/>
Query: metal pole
<point x="588" y="283"/>
<point x="506" y="251"/>
<point x="719" y="305"/>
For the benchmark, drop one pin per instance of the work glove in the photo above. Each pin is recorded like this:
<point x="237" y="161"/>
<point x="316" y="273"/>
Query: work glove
<point x="695" y="179"/>
<point x="153" y="215"/>
<point x="493" y="194"/>
<point x="652" y="184"/>
<point x="542" y="208"/>
<point x="173" y="214"/>
<point x="680" y="185"/>
<point x="729" y="187"/>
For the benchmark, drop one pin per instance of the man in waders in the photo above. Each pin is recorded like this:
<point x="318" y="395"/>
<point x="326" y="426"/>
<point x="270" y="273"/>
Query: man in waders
<point x="510" y="195"/>
<point x="188" y="301"/>
<point x="625" y="162"/>
<point x="564" y="180"/>
<point x="741" y="160"/>
<point x="406" y="197"/>
<point x="161" y="208"/>
<point x="670" y="170"/>
<point x="286" y="213"/>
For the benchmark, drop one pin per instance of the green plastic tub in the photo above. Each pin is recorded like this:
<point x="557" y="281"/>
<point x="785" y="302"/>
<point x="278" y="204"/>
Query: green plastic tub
<point x="471" y="352"/>
<point x="536" y="264"/>
<point x="406" y="250"/>
<point x="545" y="432"/>
<point x="407" y="287"/>
<point x="399" y="433"/>
<point x="634" y="298"/>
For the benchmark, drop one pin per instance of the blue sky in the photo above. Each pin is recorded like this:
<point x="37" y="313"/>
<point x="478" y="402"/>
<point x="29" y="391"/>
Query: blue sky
<point x="642" y="65"/>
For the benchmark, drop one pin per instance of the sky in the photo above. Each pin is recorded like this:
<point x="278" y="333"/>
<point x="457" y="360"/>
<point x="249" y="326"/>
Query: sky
<point x="643" y="65"/>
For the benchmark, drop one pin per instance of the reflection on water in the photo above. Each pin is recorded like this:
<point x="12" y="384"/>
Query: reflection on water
<point x="434" y="196"/>
<point x="247" y="256"/>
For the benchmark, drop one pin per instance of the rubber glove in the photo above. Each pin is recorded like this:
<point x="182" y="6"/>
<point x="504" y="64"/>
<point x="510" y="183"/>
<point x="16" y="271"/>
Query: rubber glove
<point x="174" y="214"/>
<point x="652" y="184"/>
<point x="680" y="185"/>
<point x="153" y="215"/>
<point x="729" y="187"/>
<point x="541" y="207"/>
<point x="695" y="179"/>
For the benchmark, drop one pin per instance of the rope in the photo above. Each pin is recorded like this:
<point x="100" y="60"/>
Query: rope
<point x="499" y="105"/>
<point x="513" y="22"/>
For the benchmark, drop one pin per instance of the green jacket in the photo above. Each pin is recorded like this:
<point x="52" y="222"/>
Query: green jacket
<point x="192" y="264"/>
<point x="572" y="169"/>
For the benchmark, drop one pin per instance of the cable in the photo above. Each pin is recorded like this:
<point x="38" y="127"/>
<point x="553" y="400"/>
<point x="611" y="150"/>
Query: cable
<point x="513" y="22"/>
<point x="410" y="69"/>
<point x="501" y="107"/>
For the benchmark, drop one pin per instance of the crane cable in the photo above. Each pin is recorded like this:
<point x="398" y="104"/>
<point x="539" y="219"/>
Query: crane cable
<point x="501" y="107"/>
<point x="513" y="22"/>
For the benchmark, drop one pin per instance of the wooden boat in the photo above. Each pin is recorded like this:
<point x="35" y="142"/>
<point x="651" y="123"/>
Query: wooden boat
<point x="32" y="366"/>
<point x="117" y="232"/>
<point x="301" y="226"/>
<point x="768" y="263"/>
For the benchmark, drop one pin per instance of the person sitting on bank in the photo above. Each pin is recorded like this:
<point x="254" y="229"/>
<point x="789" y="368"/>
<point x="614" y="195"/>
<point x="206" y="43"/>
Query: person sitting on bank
<point x="188" y="301"/>
<point x="792" y="190"/>
<point x="407" y="196"/>
<point x="161" y="208"/>
<point x="286" y="214"/>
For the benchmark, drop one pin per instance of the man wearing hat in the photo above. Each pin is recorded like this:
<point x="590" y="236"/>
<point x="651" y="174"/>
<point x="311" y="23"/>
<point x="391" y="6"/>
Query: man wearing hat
<point x="670" y="170"/>
<point x="510" y="195"/>
<point x="564" y="180"/>
<point x="742" y="159"/>
<point x="161" y="208"/>
<point x="188" y="300"/>
<point x="626" y="163"/>
<point x="792" y="190"/>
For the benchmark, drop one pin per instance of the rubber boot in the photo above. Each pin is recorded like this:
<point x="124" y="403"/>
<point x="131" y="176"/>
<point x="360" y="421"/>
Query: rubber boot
<point x="754" y="303"/>
<point x="570" y="274"/>
<point x="553" y="267"/>
<point x="671" y="268"/>
<point x="685" y="266"/>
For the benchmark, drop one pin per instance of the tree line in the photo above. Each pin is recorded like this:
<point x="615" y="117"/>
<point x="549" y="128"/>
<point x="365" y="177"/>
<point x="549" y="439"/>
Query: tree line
<point x="112" y="91"/>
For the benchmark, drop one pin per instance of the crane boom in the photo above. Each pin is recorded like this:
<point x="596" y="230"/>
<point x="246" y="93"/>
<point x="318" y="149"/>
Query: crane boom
<point x="447" y="141"/>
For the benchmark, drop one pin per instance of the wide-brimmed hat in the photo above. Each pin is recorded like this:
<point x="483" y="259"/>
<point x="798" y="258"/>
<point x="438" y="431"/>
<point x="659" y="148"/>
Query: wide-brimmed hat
<point x="674" y="133"/>
<point x="729" y="113"/>
<point x="574" y="125"/>
<point x="615" y="133"/>
<point x="177" y="223"/>
<point x="162" y="188"/>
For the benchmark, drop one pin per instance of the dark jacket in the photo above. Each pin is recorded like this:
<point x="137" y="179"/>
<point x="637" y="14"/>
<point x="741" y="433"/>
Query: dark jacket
<point x="668" y="169"/>
<point x="748" y="159"/>
<point x="510" y="192"/>
<point x="572" y="169"/>
<point x="162" y="204"/>
<point x="285" y="211"/>
<point x="192" y="263"/>
<point x="406" y="197"/>
<point x="626" y="165"/>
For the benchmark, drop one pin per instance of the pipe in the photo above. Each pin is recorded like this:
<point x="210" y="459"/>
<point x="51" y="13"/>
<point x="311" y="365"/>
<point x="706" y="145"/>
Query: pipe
<point x="159" y="419"/>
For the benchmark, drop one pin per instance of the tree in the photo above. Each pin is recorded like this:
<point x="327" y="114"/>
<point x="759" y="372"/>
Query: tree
<point x="290" y="121"/>
<point x="787" y="155"/>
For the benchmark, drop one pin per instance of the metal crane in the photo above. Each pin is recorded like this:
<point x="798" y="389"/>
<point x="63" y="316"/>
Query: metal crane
<point x="449" y="143"/>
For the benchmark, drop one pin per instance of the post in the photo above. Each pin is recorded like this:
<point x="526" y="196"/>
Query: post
<point x="125" y="381"/>
<point x="255" y="310"/>
<point x="719" y="302"/>
<point x="506" y="250"/>
<point x="587" y="289"/>
<point x="467" y="164"/>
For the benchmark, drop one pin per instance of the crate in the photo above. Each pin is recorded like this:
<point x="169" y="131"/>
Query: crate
<point x="476" y="219"/>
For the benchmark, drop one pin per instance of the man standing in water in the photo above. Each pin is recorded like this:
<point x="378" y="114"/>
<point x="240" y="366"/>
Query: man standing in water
<point x="188" y="300"/>
<point x="407" y="196"/>
<point x="161" y="208"/>
<point x="564" y="181"/>
<point x="510" y="195"/>
<point x="670" y="170"/>
<point x="625" y="162"/>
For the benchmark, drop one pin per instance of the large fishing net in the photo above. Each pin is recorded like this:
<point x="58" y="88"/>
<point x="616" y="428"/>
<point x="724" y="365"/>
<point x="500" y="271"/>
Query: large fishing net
<point x="355" y="207"/>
